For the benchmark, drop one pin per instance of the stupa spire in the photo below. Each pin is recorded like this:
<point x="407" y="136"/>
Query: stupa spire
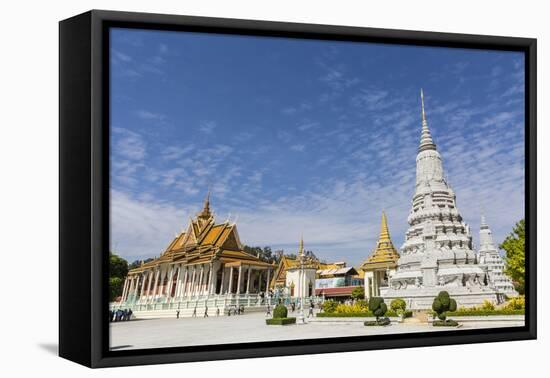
<point x="301" y="247"/>
<point x="426" y="141"/>
<point x="384" y="230"/>
<point x="483" y="224"/>
<point x="206" y="213"/>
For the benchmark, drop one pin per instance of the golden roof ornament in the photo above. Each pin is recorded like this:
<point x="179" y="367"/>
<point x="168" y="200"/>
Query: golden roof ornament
<point x="385" y="255"/>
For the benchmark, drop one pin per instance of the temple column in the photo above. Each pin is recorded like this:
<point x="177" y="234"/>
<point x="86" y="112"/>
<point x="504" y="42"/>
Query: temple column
<point x="191" y="285"/>
<point x="169" y="283"/>
<point x="183" y="291"/>
<point x="239" y="279"/>
<point x="156" y="284"/>
<point x="125" y="288"/>
<point x="149" y="283"/>
<point x="222" y="284"/>
<point x="199" y="286"/>
<point x="230" y="290"/>
<point x="178" y="282"/>
<point x="136" y="284"/>
<point x="210" y="279"/>
<point x="267" y="282"/>
<point x="248" y="280"/>
<point x="142" y="286"/>
<point x="260" y="281"/>
<point x="181" y="281"/>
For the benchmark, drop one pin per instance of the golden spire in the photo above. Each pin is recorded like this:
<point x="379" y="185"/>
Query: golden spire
<point x="385" y="255"/>
<point x="205" y="213"/>
<point x="384" y="230"/>
<point x="301" y="247"/>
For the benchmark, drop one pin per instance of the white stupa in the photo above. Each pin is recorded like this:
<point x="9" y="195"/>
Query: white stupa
<point x="437" y="253"/>
<point x="490" y="258"/>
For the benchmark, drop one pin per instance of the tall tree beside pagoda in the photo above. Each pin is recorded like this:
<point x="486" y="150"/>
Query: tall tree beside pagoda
<point x="514" y="246"/>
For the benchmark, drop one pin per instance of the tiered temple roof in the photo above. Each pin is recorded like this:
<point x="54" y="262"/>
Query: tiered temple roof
<point x="205" y="241"/>
<point x="385" y="255"/>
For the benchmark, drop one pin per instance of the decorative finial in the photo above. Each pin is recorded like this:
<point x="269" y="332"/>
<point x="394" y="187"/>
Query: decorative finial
<point x="205" y="213"/>
<point x="426" y="142"/>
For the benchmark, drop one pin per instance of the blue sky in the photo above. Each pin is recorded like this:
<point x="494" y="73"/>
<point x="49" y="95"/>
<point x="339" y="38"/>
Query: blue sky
<point x="304" y="137"/>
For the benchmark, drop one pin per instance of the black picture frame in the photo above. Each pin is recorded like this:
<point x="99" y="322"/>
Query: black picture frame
<point x="84" y="187"/>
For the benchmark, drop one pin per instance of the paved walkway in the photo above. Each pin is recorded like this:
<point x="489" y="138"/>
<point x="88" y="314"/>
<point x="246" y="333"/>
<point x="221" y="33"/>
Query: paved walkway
<point x="155" y="333"/>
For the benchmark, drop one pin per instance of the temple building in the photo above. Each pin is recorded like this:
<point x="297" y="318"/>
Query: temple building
<point x="305" y="277"/>
<point x="490" y="258"/>
<point x="337" y="283"/>
<point x="203" y="269"/>
<point x="381" y="264"/>
<point x="437" y="253"/>
<point x="300" y="277"/>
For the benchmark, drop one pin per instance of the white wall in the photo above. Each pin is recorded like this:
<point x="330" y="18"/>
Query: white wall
<point x="29" y="189"/>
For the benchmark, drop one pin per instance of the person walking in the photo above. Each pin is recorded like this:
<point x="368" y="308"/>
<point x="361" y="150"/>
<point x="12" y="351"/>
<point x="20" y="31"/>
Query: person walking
<point x="194" y="312"/>
<point x="205" y="311"/>
<point x="178" y="314"/>
<point x="268" y="312"/>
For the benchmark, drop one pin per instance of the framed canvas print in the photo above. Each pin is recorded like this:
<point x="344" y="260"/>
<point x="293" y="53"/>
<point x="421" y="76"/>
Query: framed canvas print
<point x="234" y="188"/>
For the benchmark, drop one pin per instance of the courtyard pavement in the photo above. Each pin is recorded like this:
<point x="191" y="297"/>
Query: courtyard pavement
<point x="157" y="333"/>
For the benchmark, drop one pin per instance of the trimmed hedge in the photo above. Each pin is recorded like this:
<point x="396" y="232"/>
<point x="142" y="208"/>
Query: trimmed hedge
<point x="366" y="314"/>
<point x="280" y="321"/>
<point x="445" y="323"/>
<point x="379" y="322"/>
<point x="485" y="312"/>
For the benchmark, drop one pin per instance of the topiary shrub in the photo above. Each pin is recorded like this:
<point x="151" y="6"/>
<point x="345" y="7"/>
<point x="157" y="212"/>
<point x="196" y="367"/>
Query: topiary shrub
<point x="443" y="303"/>
<point x="330" y="306"/>
<point x="445" y="323"/>
<point x="377" y="307"/>
<point x="398" y="305"/>
<point x="280" y="311"/>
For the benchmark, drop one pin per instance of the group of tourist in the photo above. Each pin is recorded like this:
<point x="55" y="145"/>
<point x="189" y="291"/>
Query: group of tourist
<point x="120" y="315"/>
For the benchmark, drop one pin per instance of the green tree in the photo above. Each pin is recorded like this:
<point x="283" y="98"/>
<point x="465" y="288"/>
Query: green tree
<point x="115" y="287"/>
<point x="514" y="246"/>
<point x="118" y="270"/>
<point x="358" y="293"/>
<point x="118" y="267"/>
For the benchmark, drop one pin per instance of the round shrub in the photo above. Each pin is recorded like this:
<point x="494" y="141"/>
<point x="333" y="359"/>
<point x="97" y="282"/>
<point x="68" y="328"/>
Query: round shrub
<point x="443" y="303"/>
<point x="280" y="311"/>
<point x="398" y="305"/>
<point x="330" y="306"/>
